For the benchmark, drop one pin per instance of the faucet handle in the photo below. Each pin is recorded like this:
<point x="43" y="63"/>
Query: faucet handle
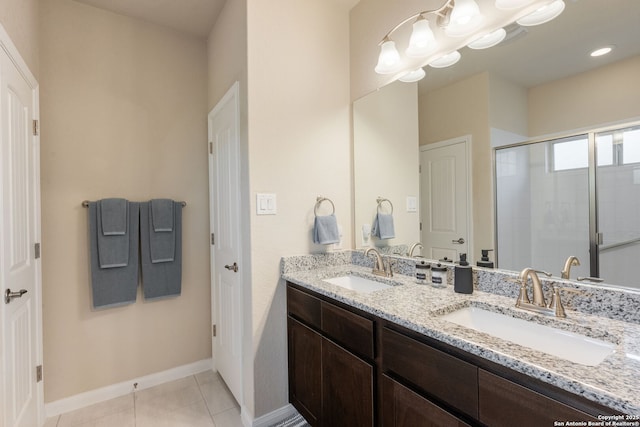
<point x="556" y="301"/>
<point x="590" y="279"/>
<point x="391" y="264"/>
<point x="546" y="273"/>
<point x="523" y="297"/>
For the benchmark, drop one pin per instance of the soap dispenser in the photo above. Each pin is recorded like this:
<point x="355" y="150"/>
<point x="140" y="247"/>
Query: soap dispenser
<point x="463" y="279"/>
<point x="484" y="261"/>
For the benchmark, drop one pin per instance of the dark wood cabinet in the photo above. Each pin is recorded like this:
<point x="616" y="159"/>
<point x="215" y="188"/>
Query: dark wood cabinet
<point x="504" y="403"/>
<point x="305" y="346"/>
<point x="402" y="407"/>
<point x="347" y="388"/>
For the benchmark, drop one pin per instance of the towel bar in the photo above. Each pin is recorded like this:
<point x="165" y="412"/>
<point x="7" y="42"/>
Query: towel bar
<point x="85" y="203"/>
<point x="319" y="201"/>
<point x="381" y="200"/>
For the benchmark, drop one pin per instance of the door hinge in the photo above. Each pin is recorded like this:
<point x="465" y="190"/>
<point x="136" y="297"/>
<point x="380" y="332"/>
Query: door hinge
<point x="419" y="168"/>
<point x="35" y="127"/>
<point x="213" y="239"/>
<point x="38" y="373"/>
<point x="213" y="330"/>
<point x="420" y="225"/>
<point x="37" y="250"/>
<point x="210" y="147"/>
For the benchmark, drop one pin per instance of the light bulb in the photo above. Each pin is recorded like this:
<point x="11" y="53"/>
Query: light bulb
<point x="544" y="14"/>
<point x="413" y="76"/>
<point x="446" y="60"/>
<point x="465" y="19"/>
<point x="422" y="41"/>
<point x="389" y="59"/>
<point x="489" y="40"/>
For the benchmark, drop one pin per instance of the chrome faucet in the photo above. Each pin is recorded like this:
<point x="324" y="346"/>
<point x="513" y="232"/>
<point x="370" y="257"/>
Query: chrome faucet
<point x="538" y="294"/>
<point x="566" y="271"/>
<point x="413" y="248"/>
<point x="379" y="268"/>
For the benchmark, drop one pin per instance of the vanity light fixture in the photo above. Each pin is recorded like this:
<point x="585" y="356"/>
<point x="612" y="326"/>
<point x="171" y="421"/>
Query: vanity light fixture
<point x="601" y="51"/>
<point x="447" y="60"/>
<point x="544" y="14"/>
<point x="465" y="18"/>
<point x="422" y="41"/>
<point x="413" y="76"/>
<point x="389" y="59"/>
<point x="511" y="4"/>
<point x="489" y="40"/>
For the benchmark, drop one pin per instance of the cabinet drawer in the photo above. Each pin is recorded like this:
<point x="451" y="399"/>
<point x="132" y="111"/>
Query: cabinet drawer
<point x="402" y="407"/>
<point x="439" y="374"/>
<point x="504" y="403"/>
<point x="304" y="307"/>
<point x="348" y="329"/>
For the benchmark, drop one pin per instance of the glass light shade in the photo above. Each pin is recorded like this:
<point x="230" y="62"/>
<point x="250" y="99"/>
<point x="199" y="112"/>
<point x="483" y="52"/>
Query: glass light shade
<point x="543" y="15"/>
<point x="413" y="76"/>
<point x="465" y="19"/>
<point x="446" y="60"/>
<point x="422" y="41"/>
<point x="389" y="59"/>
<point x="511" y="4"/>
<point x="489" y="40"/>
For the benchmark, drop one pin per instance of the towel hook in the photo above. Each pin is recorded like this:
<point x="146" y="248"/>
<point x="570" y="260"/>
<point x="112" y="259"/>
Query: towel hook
<point x="381" y="200"/>
<point x="319" y="201"/>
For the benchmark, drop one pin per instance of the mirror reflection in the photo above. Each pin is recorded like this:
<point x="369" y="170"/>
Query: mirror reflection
<point x="539" y="84"/>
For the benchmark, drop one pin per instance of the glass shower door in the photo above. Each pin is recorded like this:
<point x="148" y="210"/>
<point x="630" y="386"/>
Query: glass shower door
<point x="618" y="205"/>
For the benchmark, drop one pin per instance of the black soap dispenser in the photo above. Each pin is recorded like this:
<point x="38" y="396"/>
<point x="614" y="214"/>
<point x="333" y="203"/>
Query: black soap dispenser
<point x="463" y="280"/>
<point x="484" y="261"/>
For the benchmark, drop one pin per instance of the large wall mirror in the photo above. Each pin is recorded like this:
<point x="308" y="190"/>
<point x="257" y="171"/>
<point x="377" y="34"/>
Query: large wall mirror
<point x="540" y="83"/>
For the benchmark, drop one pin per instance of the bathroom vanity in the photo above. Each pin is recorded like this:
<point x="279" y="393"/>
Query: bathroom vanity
<point x="387" y="358"/>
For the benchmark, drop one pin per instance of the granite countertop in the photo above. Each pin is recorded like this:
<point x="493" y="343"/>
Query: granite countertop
<point x="614" y="383"/>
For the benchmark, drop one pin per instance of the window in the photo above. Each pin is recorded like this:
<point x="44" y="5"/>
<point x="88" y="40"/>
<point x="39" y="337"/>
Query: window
<point x="570" y="154"/>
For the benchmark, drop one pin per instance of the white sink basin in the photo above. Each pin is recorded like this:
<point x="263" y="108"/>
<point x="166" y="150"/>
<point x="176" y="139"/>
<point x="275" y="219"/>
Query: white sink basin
<point x="566" y="345"/>
<point x="358" y="284"/>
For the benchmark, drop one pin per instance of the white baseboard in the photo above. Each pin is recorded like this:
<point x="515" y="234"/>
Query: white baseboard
<point x="82" y="400"/>
<point x="271" y="418"/>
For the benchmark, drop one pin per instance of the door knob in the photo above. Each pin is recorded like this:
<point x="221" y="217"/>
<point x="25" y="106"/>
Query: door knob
<point x="8" y="295"/>
<point x="460" y="241"/>
<point x="233" y="267"/>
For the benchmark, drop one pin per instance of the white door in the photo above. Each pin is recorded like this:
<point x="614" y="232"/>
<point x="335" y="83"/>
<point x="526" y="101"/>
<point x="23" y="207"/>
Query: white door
<point x="444" y="195"/>
<point x="19" y="268"/>
<point x="226" y="265"/>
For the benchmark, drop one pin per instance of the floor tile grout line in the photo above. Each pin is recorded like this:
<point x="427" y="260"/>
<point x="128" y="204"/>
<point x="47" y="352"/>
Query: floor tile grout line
<point x="206" y="404"/>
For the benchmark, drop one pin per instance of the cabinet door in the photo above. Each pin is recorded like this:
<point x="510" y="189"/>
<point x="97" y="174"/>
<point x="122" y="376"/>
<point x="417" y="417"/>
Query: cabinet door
<point x="401" y="407"/>
<point x="347" y="388"/>
<point x="504" y="403"/>
<point x="305" y="350"/>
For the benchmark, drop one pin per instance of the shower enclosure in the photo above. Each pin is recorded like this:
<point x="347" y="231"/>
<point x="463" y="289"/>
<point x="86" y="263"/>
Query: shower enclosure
<point x="578" y="195"/>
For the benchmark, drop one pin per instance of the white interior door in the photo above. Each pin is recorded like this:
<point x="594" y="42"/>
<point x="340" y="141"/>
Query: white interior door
<point x="226" y="265"/>
<point x="444" y="195"/>
<point x="19" y="268"/>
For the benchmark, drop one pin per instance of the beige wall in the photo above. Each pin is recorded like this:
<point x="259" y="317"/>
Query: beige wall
<point x="601" y="96"/>
<point x="507" y="105"/>
<point x="463" y="109"/>
<point x="20" y="20"/>
<point x="299" y="148"/>
<point x="123" y="106"/>
<point x="385" y="159"/>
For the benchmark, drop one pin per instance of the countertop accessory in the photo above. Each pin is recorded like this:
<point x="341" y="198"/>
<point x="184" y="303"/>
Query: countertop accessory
<point x="319" y="201"/>
<point x="325" y="227"/>
<point x="422" y="270"/>
<point x="438" y="276"/>
<point x="383" y="227"/>
<point x="379" y="269"/>
<point x="463" y="278"/>
<point x="484" y="261"/>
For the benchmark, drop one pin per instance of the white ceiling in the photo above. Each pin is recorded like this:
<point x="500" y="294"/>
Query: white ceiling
<point x="195" y="17"/>
<point x="554" y="50"/>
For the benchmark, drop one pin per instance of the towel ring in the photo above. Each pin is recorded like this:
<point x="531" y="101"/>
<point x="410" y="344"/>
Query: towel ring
<point x="381" y="200"/>
<point x="85" y="203"/>
<point x="319" y="201"/>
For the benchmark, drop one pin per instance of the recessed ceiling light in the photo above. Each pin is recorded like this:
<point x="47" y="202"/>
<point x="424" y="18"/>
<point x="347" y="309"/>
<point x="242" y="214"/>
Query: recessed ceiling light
<point x="601" y="51"/>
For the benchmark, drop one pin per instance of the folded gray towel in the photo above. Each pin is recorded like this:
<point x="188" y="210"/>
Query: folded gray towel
<point x="162" y="244"/>
<point x="162" y="214"/>
<point x="114" y="286"/>
<point x="325" y="230"/>
<point x="113" y="247"/>
<point x="382" y="226"/>
<point x="114" y="216"/>
<point x="160" y="279"/>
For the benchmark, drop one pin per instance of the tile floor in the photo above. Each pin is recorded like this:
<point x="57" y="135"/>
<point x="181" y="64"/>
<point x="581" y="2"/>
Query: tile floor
<point x="201" y="400"/>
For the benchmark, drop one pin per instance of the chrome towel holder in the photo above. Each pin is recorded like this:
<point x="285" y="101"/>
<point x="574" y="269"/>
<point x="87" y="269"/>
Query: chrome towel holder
<point x="380" y="201"/>
<point x="319" y="201"/>
<point x="85" y="203"/>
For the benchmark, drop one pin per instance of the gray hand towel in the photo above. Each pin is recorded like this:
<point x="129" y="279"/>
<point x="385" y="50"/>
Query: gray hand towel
<point x="114" y="216"/>
<point x="162" y="279"/>
<point x="162" y="214"/>
<point x="114" y="286"/>
<point x="382" y="226"/>
<point x="162" y="244"/>
<point x="113" y="249"/>
<point x="325" y="230"/>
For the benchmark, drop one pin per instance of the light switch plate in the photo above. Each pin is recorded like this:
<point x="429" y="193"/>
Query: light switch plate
<point x="412" y="204"/>
<point x="266" y="204"/>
